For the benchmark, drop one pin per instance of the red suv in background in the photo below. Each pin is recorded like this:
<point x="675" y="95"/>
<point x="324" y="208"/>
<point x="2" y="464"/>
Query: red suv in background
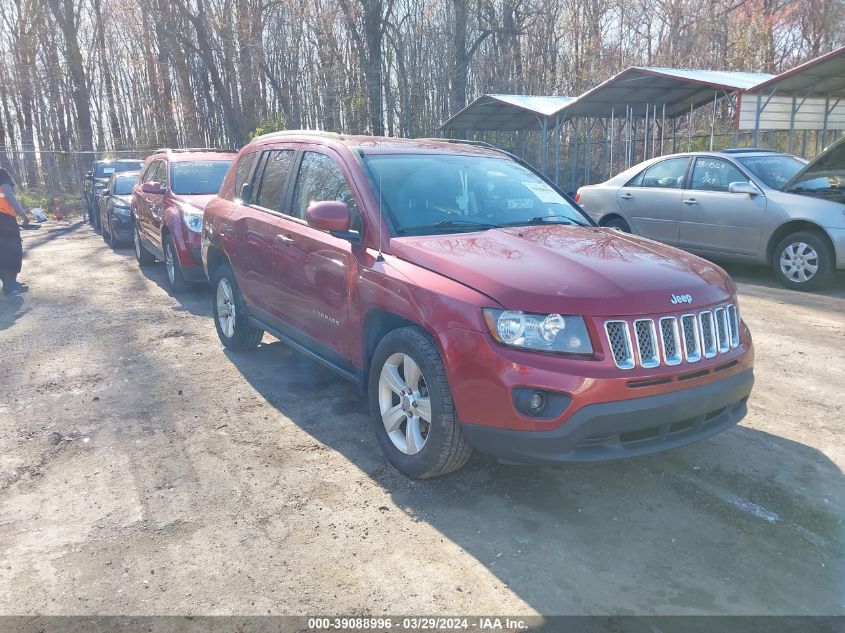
<point x="168" y="203"/>
<point x="476" y="304"/>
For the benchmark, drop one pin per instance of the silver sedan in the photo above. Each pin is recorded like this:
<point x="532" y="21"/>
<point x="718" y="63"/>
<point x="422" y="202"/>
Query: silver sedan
<point x="746" y="205"/>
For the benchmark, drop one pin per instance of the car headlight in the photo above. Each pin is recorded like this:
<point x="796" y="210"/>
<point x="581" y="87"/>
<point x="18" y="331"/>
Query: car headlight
<point x="193" y="221"/>
<point x="543" y="332"/>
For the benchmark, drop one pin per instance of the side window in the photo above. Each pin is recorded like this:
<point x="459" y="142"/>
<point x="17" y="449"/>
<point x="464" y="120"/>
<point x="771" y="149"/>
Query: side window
<point x="714" y="174"/>
<point x="667" y="174"/>
<point x="242" y="173"/>
<point x="150" y="173"/>
<point x="320" y="179"/>
<point x="274" y="173"/>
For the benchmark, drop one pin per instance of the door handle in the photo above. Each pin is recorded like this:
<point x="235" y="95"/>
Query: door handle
<point x="285" y="240"/>
<point x="690" y="201"/>
<point x="228" y="230"/>
<point x="627" y="196"/>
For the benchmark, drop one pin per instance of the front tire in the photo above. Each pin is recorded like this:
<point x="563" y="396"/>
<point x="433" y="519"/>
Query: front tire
<point x="411" y="406"/>
<point x="230" y="314"/>
<point x="803" y="261"/>
<point x="175" y="276"/>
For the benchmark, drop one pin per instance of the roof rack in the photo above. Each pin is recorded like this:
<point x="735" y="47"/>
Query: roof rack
<point x="742" y="150"/>
<point x="323" y="133"/>
<point x="182" y="150"/>
<point x="460" y="141"/>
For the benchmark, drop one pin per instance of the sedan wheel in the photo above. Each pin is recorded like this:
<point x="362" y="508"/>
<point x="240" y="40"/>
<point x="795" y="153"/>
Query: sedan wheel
<point x="799" y="262"/>
<point x="804" y="261"/>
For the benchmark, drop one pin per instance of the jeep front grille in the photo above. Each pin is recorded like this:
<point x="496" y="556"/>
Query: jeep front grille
<point x="620" y="343"/>
<point x="672" y="340"/>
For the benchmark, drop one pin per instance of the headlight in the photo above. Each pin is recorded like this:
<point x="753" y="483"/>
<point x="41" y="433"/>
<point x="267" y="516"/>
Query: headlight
<point x="543" y="332"/>
<point x="193" y="221"/>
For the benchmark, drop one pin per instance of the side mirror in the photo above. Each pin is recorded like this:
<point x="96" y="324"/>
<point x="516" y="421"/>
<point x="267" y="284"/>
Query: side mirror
<point x="329" y="215"/>
<point x="245" y="193"/>
<point x="743" y="187"/>
<point x="152" y="187"/>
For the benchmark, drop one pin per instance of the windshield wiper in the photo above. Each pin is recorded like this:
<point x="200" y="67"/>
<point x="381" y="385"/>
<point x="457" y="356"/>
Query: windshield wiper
<point x="547" y="219"/>
<point x="450" y="224"/>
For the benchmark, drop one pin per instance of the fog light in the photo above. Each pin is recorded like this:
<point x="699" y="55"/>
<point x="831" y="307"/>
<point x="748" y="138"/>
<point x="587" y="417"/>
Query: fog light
<point x="536" y="402"/>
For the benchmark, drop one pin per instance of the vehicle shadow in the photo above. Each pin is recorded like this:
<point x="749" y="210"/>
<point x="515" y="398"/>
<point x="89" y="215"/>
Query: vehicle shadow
<point x="48" y="233"/>
<point x="743" y="523"/>
<point x="195" y="299"/>
<point x="758" y="282"/>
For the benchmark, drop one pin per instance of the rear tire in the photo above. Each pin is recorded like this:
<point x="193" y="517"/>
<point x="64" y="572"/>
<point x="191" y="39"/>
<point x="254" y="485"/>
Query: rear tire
<point x="407" y="382"/>
<point x="230" y="313"/>
<point x="617" y="223"/>
<point x="144" y="257"/>
<point x="175" y="276"/>
<point x="107" y="234"/>
<point x="803" y="261"/>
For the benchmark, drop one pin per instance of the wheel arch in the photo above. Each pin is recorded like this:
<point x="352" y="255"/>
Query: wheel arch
<point x="613" y="215"/>
<point x="214" y="258"/>
<point x="794" y="226"/>
<point x="378" y="323"/>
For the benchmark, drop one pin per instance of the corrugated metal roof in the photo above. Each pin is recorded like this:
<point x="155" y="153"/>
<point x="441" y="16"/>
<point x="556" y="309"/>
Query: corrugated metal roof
<point x="506" y="112"/>
<point x="824" y="75"/>
<point x="676" y="88"/>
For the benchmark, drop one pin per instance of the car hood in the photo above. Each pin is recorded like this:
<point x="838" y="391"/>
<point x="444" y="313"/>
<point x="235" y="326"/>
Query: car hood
<point x="125" y="200"/>
<point x="831" y="162"/>
<point x="198" y="201"/>
<point x="581" y="270"/>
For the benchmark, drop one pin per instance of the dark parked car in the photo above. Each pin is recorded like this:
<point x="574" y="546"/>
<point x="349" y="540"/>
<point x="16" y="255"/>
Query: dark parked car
<point x="96" y="180"/>
<point x="167" y="205"/>
<point x="115" y="213"/>
<point x="474" y="303"/>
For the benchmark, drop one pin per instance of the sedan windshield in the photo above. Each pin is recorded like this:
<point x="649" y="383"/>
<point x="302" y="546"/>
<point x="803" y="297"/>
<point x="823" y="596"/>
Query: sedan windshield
<point x="432" y="193"/>
<point x="775" y="170"/>
<point x="198" y="177"/>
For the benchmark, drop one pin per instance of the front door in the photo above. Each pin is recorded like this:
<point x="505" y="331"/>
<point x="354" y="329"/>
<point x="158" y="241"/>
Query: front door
<point x="715" y="220"/>
<point x="652" y="200"/>
<point x="315" y="267"/>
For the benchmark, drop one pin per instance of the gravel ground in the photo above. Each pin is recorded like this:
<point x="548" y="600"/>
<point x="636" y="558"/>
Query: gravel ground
<point x="144" y="470"/>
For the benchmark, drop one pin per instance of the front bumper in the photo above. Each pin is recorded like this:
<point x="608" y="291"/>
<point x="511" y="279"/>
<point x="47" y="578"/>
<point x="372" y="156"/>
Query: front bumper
<point x="615" y="430"/>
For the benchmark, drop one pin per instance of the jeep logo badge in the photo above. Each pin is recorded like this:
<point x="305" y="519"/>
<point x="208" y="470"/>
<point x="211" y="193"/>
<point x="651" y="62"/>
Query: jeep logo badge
<point x="676" y="299"/>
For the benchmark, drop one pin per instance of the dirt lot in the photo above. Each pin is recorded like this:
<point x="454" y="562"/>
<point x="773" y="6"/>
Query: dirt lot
<point x="143" y="470"/>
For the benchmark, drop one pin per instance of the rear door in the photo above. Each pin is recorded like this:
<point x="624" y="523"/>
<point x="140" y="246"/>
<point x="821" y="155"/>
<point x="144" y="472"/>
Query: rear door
<point x="712" y="218"/>
<point x="146" y="202"/>
<point x="255" y="225"/>
<point x="652" y="200"/>
<point x="315" y="268"/>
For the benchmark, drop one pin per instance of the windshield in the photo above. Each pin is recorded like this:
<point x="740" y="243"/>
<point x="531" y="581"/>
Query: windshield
<point x="199" y="177"/>
<point x="446" y="193"/>
<point x="774" y="171"/>
<point x="104" y="170"/>
<point x="124" y="184"/>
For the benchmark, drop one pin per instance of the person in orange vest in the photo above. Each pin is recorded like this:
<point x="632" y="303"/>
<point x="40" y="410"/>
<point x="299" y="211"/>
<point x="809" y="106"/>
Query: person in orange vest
<point x="11" y="249"/>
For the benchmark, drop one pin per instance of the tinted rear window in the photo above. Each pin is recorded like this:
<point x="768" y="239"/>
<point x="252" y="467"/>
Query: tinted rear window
<point x="198" y="177"/>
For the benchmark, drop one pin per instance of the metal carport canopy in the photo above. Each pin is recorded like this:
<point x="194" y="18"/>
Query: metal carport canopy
<point x="677" y="89"/>
<point x="506" y="113"/>
<point x="823" y="76"/>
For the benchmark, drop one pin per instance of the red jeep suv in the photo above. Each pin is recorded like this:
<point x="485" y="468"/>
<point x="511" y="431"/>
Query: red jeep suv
<point x="167" y="204"/>
<point x="476" y="305"/>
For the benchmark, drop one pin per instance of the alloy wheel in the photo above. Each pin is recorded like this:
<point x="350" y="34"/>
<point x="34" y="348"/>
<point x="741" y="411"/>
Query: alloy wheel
<point x="170" y="263"/>
<point x="404" y="403"/>
<point x="799" y="262"/>
<point x="226" y="313"/>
